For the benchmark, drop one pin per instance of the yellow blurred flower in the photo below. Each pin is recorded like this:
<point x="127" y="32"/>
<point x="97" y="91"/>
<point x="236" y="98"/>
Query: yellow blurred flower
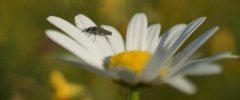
<point x="65" y="90"/>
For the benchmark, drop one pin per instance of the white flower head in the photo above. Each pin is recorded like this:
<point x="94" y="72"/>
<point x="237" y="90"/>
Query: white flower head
<point x="145" y="58"/>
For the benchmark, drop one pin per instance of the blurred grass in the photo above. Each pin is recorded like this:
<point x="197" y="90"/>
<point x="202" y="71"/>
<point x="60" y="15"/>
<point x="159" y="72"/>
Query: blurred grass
<point x="27" y="56"/>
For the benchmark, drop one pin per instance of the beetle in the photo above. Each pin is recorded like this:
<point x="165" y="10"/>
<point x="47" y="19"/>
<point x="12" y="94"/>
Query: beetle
<point x="97" y="31"/>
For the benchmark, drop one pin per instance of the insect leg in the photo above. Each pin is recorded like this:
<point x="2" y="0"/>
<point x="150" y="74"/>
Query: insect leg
<point x="89" y="34"/>
<point x="106" y="38"/>
<point x="95" y="34"/>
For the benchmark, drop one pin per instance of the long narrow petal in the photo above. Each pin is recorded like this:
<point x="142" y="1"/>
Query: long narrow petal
<point x="161" y="56"/>
<point x="85" y="65"/>
<point x="83" y="21"/>
<point x="175" y="32"/>
<point x="75" y="48"/>
<point x="191" y="64"/>
<point x="130" y="34"/>
<point x="202" y="69"/>
<point x="75" y="33"/>
<point x="143" y="32"/>
<point x="186" y="33"/>
<point x="155" y="46"/>
<point x="171" y="35"/>
<point x="151" y="71"/>
<point x="181" y="84"/>
<point x="136" y="32"/>
<point x="152" y="36"/>
<point x="155" y="63"/>
<point x="219" y="56"/>
<point x="182" y="56"/>
<point x="115" y="39"/>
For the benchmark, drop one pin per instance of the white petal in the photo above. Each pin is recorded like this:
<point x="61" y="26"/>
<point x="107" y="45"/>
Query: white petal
<point x="83" y="21"/>
<point x="87" y="66"/>
<point x="143" y="32"/>
<point x="115" y="39"/>
<point x="75" y="33"/>
<point x="153" y="35"/>
<point x="151" y="71"/>
<point x="174" y="33"/>
<point x="171" y="35"/>
<point x="161" y="56"/>
<point x="186" y="33"/>
<point x="181" y="84"/>
<point x="216" y="57"/>
<point x="188" y="64"/>
<point x="75" y="48"/>
<point x="202" y="69"/>
<point x="125" y="75"/>
<point x="187" y="52"/>
<point x="136" y="32"/>
<point x="155" y="46"/>
<point x="102" y="43"/>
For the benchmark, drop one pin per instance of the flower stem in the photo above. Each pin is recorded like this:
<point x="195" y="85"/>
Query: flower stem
<point x="134" y="94"/>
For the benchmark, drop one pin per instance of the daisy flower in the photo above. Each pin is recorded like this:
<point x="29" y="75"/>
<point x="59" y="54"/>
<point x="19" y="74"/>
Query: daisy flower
<point x="145" y="57"/>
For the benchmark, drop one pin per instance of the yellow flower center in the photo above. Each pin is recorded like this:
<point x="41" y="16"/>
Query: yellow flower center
<point x="133" y="61"/>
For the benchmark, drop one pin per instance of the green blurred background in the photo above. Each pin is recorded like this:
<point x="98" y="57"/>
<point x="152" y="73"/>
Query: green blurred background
<point x="29" y="61"/>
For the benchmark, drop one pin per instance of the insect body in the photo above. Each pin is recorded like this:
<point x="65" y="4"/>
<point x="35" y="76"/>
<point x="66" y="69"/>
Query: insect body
<point x="97" y="31"/>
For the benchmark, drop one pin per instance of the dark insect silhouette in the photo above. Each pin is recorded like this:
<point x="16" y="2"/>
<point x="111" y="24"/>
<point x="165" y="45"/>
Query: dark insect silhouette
<point x="97" y="31"/>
